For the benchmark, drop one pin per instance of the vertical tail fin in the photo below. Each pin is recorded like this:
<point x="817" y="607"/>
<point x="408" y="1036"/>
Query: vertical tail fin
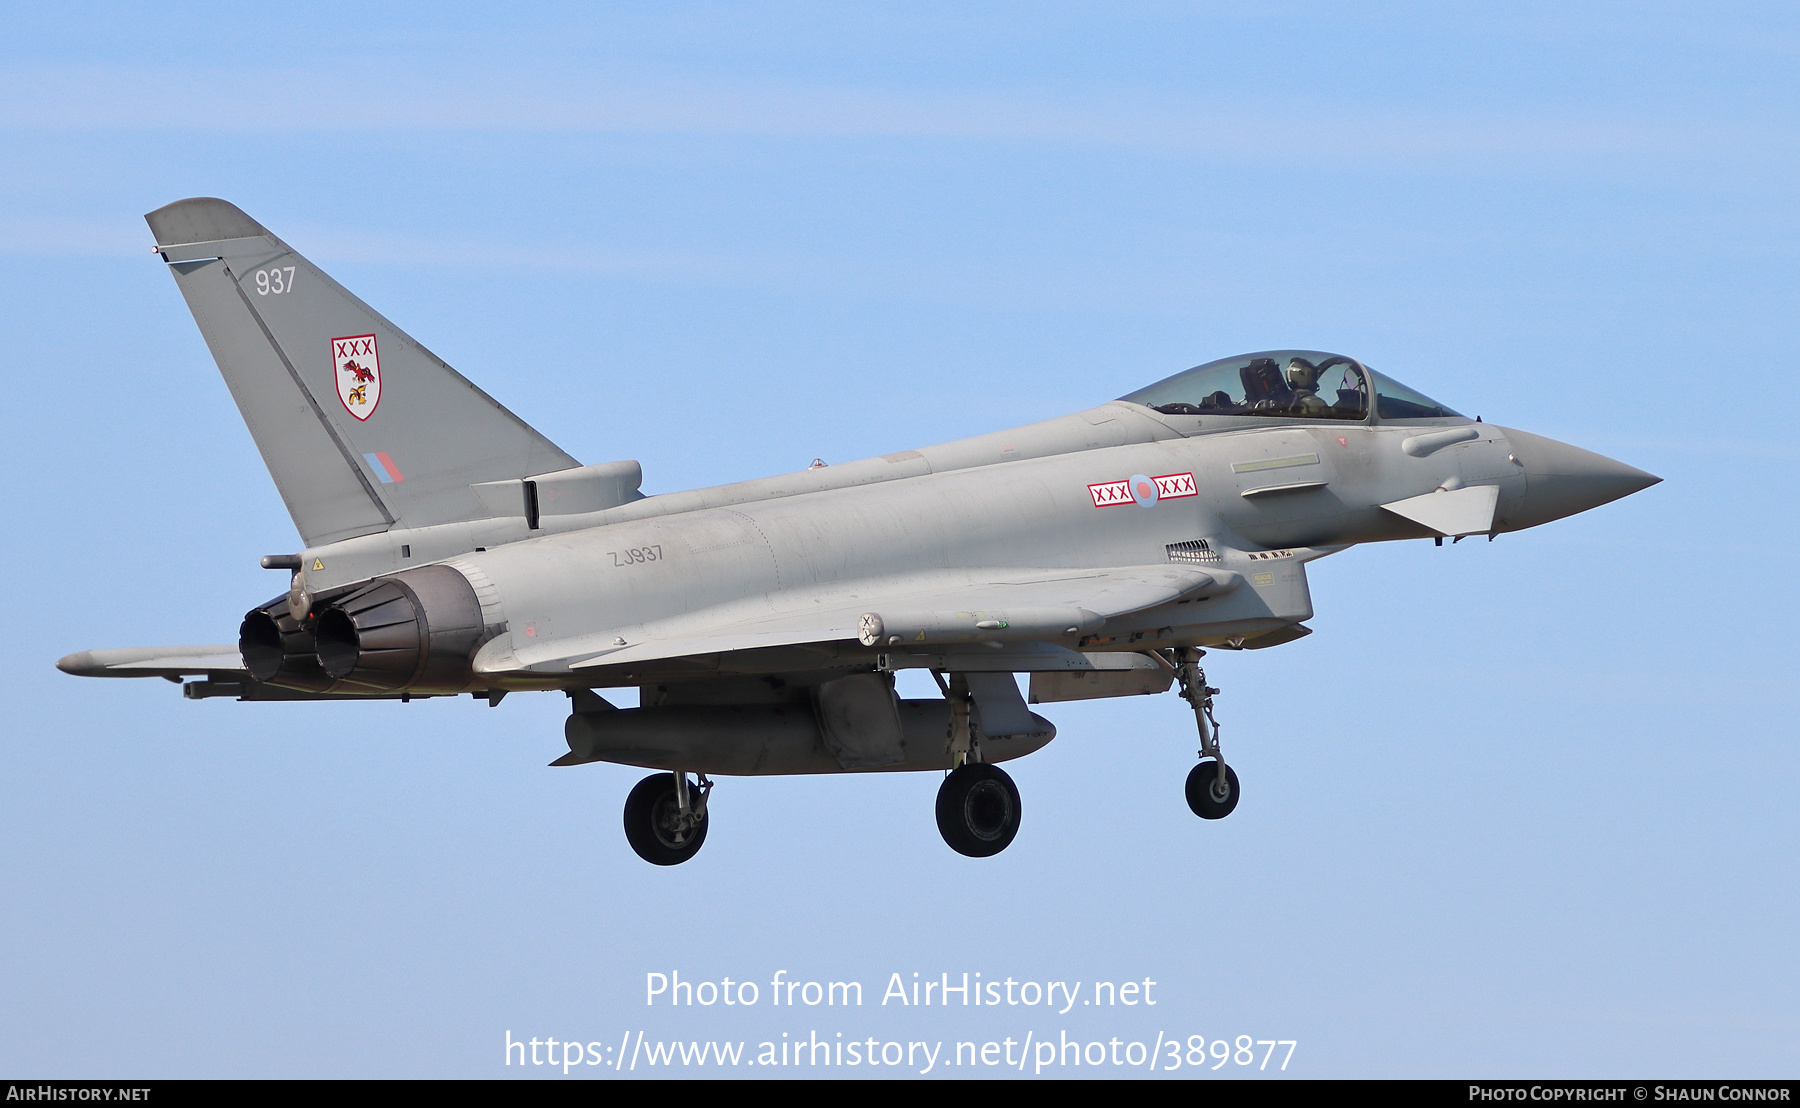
<point x="361" y="427"/>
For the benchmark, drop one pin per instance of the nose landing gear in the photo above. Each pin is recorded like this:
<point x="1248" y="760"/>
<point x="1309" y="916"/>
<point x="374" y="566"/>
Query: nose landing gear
<point x="665" y="822"/>
<point x="1212" y="786"/>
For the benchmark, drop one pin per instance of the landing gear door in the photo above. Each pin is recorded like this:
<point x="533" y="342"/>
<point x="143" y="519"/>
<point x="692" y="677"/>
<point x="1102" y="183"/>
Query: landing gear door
<point x="1001" y="711"/>
<point x="1113" y="674"/>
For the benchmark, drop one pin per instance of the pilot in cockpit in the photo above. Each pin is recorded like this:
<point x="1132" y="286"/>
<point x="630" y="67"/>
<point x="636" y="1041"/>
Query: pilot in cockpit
<point x="1291" y="384"/>
<point x="1264" y="389"/>
<point x="1303" y="379"/>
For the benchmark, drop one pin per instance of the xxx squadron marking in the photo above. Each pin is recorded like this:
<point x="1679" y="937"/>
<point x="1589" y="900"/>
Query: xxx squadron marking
<point x="356" y="363"/>
<point x="1142" y="490"/>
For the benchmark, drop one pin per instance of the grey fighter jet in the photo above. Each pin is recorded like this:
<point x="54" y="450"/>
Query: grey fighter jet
<point x="448" y="548"/>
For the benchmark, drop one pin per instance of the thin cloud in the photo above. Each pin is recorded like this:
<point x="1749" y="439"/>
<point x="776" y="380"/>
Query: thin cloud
<point x="340" y="246"/>
<point x="330" y="247"/>
<point x="68" y="238"/>
<point x="274" y="101"/>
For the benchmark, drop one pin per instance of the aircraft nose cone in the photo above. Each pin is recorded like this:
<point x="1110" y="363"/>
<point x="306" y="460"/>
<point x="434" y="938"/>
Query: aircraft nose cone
<point x="1561" y="480"/>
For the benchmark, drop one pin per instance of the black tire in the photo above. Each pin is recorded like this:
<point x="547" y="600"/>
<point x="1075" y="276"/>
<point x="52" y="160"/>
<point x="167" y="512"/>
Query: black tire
<point x="978" y="810"/>
<point x="650" y="822"/>
<point x="1203" y="794"/>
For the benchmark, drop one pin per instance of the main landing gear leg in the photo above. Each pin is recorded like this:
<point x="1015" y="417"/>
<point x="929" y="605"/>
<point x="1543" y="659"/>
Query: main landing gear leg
<point x="665" y="817"/>
<point x="1212" y="786"/>
<point x="978" y="804"/>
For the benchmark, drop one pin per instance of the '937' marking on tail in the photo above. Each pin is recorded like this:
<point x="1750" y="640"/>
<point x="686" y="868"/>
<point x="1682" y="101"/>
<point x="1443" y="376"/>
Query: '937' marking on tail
<point x="274" y="282"/>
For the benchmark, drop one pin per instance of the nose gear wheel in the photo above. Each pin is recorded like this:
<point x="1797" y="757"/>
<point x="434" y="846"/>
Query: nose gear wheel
<point x="1207" y="794"/>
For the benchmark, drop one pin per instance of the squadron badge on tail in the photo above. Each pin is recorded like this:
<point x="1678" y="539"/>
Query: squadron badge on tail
<point x="358" y="372"/>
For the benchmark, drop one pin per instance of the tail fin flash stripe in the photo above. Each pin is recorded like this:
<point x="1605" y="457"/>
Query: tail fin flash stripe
<point x="384" y="467"/>
<point x="333" y="392"/>
<point x="336" y="439"/>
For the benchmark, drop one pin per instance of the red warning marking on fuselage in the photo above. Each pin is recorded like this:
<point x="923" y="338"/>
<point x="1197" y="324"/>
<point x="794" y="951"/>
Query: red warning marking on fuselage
<point x="1111" y="492"/>
<point x="1170" y="486"/>
<point x="1173" y="485"/>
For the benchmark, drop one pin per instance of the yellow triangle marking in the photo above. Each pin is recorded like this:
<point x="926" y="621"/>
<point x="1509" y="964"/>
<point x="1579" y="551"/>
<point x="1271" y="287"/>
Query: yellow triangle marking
<point x="317" y="564"/>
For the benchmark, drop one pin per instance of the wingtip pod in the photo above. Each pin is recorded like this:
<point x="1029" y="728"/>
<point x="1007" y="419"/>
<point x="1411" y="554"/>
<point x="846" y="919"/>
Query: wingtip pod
<point x="201" y="219"/>
<point x="152" y="661"/>
<point x="80" y="664"/>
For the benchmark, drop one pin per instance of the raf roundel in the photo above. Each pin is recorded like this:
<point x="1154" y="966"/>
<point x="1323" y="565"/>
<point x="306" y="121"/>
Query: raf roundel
<point x="356" y="363"/>
<point x="1143" y="490"/>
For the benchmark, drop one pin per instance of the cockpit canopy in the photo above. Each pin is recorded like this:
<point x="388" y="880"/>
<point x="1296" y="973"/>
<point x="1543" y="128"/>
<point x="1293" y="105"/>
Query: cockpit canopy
<point x="1295" y="384"/>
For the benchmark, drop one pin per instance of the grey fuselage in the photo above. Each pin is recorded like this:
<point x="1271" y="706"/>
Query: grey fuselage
<point x="1017" y="498"/>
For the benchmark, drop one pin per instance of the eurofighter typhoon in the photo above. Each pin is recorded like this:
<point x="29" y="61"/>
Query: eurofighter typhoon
<point x="448" y="548"/>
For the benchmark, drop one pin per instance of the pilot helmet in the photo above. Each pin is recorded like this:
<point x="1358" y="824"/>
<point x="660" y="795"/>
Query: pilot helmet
<point x="1302" y="374"/>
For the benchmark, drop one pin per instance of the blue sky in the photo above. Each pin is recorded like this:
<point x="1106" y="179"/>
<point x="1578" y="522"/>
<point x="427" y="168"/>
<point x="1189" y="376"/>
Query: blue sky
<point x="1519" y="808"/>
